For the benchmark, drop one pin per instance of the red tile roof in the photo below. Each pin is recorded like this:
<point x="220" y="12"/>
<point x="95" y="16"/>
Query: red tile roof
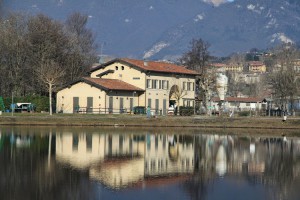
<point x="256" y="63"/>
<point x="240" y="99"/>
<point x="218" y="65"/>
<point x="111" y="84"/>
<point x="153" y="66"/>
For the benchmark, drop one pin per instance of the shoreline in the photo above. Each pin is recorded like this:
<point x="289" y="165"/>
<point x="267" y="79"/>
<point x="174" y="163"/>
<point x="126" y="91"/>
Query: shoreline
<point x="92" y="120"/>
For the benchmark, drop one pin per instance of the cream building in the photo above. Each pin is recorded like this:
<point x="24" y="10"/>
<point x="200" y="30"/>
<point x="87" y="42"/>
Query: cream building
<point x="122" y="160"/>
<point x="257" y="66"/>
<point x="121" y="84"/>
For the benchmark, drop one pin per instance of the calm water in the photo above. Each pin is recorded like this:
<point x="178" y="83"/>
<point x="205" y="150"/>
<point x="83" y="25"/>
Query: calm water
<point x="95" y="163"/>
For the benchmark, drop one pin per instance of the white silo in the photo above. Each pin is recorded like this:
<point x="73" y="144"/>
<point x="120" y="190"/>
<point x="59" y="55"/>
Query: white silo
<point x="222" y="82"/>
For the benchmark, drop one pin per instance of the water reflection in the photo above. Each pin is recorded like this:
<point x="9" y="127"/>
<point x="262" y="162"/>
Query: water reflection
<point x="194" y="166"/>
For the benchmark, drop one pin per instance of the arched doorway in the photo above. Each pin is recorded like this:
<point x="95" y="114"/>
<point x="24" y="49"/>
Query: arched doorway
<point x="173" y="99"/>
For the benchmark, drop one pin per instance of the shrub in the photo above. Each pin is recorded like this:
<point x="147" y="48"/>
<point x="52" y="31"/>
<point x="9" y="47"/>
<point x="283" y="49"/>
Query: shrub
<point x="41" y="102"/>
<point x="244" y="113"/>
<point x="186" y="111"/>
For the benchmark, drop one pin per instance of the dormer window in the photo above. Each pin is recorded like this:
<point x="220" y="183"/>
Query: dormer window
<point x="117" y="68"/>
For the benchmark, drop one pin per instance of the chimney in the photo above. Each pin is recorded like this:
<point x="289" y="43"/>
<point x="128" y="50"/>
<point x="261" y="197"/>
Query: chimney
<point x="145" y="63"/>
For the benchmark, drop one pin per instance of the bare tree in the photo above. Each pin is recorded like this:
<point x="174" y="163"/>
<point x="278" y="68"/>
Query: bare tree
<point x="13" y="53"/>
<point x="47" y="50"/>
<point x="29" y="43"/>
<point x="81" y="51"/>
<point x="235" y="86"/>
<point x="177" y="92"/>
<point x="284" y="81"/>
<point x="197" y="58"/>
<point x="51" y="74"/>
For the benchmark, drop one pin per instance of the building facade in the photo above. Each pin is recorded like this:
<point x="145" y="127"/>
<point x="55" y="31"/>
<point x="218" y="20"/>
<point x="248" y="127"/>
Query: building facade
<point x="121" y="84"/>
<point x="257" y="66"/>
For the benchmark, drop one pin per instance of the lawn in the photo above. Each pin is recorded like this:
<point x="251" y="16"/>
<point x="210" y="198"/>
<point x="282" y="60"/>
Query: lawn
<point x="142" y="121"/>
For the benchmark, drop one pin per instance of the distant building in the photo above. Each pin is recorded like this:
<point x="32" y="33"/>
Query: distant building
<point x="250" y="78"/>
<point x="219" y="67"/>
<point x="257" y="66"/>
<point x="241" y="104"/>
<point x="234" y="67"/>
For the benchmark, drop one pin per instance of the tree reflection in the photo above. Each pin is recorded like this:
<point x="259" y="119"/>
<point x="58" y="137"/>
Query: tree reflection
<point x="25" y="174"/>
<point x="71" y="164"/>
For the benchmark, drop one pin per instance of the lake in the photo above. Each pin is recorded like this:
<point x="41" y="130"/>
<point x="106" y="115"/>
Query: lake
<point x="126" y="164"/>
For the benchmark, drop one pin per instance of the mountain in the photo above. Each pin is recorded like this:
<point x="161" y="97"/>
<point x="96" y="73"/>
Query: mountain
<point x="162" y="29"/>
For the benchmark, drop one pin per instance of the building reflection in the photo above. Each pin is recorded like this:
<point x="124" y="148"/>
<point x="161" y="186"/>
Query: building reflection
<point x="132" y="160"/>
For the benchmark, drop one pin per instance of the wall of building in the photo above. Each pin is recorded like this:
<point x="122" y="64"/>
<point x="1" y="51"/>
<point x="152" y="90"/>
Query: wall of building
<point x="241" y="106"/>
<point x="82" y="90"/>
<point x="161" y="94"/>
<point x="81" y="150"/>
<point x="124" y="73"/>
<point x="134" y="77"/>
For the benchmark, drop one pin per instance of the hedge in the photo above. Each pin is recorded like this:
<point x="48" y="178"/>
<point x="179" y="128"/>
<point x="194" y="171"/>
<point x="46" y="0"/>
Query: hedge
<point x="186" y="111"/>
<point x="41" y="102"/>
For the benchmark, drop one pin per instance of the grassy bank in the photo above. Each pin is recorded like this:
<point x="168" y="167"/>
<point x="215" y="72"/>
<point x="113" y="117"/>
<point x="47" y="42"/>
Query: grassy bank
<point x="142" y="121"/>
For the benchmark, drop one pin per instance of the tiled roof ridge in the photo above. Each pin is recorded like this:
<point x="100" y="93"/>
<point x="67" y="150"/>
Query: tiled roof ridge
<point x="159" y="66"/>
<point x="113" y="84"/>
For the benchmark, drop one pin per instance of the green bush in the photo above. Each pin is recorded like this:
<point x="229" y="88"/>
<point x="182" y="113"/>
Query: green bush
<point x="186" y="111"/>
<point x="244" y="113"/>
<point x="41" y="102"/>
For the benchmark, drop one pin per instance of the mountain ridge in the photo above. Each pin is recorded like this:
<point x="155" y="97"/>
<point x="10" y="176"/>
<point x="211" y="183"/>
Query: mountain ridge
<point x="151" y="29"/>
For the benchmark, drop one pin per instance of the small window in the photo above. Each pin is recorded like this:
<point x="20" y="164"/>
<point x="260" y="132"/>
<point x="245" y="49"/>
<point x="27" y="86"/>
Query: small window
<point x="189" y="86"/>
<point x="136" y="78"/>
<point x="122" y="67"/>
<point x="165" y="85"/>
<point x="117" y="68"/>
<point x="184" y="85"/>
<point x="188" y="103"/>
<point x="154" y="84"/>
<point x="149" y="85"/>
<point x="247" y="104"/>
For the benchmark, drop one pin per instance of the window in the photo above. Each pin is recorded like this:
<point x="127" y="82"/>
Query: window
<point x="89" y="142"/>
<point x="184" y="85"/>
<point x="149" y="103"/>
<point x="188" y="103"/>
<point x="189" y="86"/>
<point x="149" y="85"/>
<point x="75" y="142"/>
<point x="117" y="68"/>
<point x="154" y="84"/>
<point x="122" y="67"/>
<point x="247" y="104"/>
<point x="165" y="85"/>
<point x="136" y="78"/>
